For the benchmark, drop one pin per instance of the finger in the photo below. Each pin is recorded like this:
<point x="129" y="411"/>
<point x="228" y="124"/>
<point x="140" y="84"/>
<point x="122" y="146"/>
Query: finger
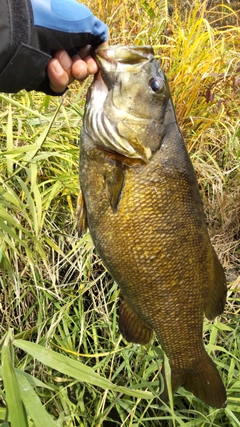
<point x="66" y="62"/>
<point x="58" y="78"/>
<point x="60" y="71"/>
<point x="91" y="65"/>
<point x="82" y="68"/>
<point x="79" y="68"/>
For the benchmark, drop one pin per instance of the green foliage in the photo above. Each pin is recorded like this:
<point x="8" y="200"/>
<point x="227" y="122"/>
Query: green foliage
<point x="63" y="360"/>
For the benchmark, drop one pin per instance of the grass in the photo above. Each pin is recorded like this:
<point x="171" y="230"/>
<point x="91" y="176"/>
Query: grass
<point x="63" y="360"/>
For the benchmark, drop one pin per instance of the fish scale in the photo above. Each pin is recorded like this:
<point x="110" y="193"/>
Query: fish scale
<point x="146" y="220"/>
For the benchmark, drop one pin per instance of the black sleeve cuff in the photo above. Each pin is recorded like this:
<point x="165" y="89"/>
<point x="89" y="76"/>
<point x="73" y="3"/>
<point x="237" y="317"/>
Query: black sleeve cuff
<point x="19" y="74"/>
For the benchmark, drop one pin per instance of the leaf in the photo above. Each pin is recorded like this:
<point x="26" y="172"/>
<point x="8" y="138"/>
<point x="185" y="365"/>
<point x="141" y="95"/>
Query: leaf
<point x="33" y="405"/>
<point x="9" y="140"/>
<point x="3" y="416"/>
<point x="32" y="380"/>
<point x="75" y="369"/>
<point x="21" y="106"/>
<point x="30" y="154"/>
<point x="13" y="396"/>
<point x="10" y="232"/>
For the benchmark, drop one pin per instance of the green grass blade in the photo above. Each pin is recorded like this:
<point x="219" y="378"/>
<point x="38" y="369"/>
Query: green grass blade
<point x="75" y="369"/>
<point x="28" y="110"/>
<point x="33" y="405"/>
<point x="35" y="382"/>
<point x="13" y="396"/>
<point x="32" y="380"/>
<point x="234" y="421"/>
<point x="9" y="140"/>
<point x="30" y="154"/>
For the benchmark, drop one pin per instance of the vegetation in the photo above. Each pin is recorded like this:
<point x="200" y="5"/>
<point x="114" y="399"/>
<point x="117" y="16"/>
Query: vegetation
<point x="63" y="360"/>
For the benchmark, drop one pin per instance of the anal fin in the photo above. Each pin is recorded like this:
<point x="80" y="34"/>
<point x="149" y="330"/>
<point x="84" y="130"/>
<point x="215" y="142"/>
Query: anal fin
<point x="132" y="328"/>
<point x="216" y="298"/>
<point x="81" y="215"/>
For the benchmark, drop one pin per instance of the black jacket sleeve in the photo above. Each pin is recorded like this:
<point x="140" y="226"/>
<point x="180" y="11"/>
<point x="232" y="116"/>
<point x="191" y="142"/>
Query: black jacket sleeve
<point x="25" y="48"/>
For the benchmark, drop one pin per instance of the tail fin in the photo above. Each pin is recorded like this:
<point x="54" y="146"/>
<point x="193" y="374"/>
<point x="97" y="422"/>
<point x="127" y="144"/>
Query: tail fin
<point x="204" y="382"/>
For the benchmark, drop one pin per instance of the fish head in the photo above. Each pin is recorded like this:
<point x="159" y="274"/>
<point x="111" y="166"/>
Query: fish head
<point x="127" y="101"/>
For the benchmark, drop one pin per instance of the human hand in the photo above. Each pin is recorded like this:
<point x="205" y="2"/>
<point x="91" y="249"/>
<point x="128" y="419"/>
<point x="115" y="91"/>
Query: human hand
<point x="37" y="34"/>
<point x="68" y="31"/>
<point x="62" y="70"/>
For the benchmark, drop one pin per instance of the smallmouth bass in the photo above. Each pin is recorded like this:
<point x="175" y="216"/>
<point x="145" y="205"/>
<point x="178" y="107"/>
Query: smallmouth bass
<point x="140" y="199"/>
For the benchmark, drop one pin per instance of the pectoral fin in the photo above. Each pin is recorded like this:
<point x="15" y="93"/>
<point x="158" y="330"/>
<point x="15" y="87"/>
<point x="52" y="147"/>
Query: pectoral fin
<point x="132" y="328"/>
<point x="81" y="215"/>
<point x="114" y="181"/>
<point x="216" y="298"/>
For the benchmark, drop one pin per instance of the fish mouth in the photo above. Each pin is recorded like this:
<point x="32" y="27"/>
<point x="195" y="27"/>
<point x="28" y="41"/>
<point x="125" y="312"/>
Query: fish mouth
<point x="111" y="57"/>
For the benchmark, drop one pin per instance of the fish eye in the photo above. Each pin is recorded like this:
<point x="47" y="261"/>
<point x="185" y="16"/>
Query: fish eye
<point x="156" y="84"/>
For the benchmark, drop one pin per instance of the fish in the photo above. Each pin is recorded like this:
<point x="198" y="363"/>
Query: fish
<point x="140" y="199"/>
